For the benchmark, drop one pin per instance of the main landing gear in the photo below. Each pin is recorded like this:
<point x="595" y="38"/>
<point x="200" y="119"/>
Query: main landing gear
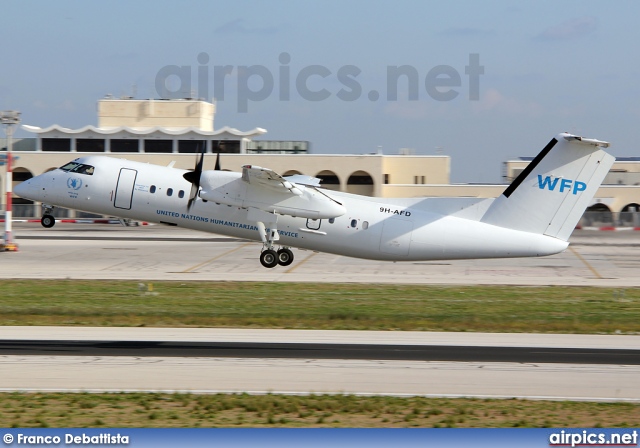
<point x="47" y="220"/>
<point x="270" y="258"/>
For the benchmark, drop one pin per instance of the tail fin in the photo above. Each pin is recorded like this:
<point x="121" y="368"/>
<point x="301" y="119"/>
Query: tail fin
<point x="553" y="191"/>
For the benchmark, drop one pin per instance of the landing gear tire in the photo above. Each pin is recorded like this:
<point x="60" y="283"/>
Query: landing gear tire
<point x="269" y="258"/>
<point x="48" y="221"/>
<point x="285" y="257"/>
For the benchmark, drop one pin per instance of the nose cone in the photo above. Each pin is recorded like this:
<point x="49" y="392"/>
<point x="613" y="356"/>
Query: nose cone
<point x="28" y="189"/>
<point x="22" y="189"/>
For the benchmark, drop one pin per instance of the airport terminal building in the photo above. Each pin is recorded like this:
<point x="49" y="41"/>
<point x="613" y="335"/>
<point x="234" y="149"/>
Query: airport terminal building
<point x="166" y="131"/>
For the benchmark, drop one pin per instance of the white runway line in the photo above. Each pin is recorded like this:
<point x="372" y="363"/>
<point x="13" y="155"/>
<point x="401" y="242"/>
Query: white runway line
<point x="212" y="375"/>
<point x="630" y="342"/>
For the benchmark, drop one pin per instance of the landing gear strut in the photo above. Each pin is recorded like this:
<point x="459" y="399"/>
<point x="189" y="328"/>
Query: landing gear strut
<point x="47" y="220"/>
<point x="269" y="258"/>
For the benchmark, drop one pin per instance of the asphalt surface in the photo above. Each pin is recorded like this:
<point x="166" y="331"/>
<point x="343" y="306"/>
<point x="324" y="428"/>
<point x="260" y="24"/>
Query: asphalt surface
<point x="214" y="360"/>
<point x="587" y="367"/>
<point x="320" y="351"/>
<point x="152" y="253"/>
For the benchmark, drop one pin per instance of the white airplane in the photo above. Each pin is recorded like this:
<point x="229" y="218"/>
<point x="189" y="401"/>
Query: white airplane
<point x="533" y="217"/>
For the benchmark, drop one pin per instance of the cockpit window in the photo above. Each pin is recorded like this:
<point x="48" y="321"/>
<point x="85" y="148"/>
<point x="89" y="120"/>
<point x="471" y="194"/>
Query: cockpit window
<point x="69" y="166"/>
<point x="80" y="168"/>
<point x="85" y="169"/>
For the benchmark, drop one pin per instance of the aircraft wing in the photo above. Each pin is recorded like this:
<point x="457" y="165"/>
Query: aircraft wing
<point x="264" y="177"/>
<point x="302" y="179"/>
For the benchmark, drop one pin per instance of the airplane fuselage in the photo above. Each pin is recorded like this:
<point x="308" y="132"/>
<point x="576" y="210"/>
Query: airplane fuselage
<point x="373" y="228"/>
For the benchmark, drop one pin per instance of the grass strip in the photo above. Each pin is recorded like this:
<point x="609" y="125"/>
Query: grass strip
<point x="320" y="306"/>
<point x="243" y="410"/>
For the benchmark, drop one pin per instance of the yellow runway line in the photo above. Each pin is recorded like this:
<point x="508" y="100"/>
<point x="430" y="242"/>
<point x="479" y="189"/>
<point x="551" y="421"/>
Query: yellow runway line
<point x="293" y="268"/>
<point x="193" y="268"/>
<point x="586" y="263"/>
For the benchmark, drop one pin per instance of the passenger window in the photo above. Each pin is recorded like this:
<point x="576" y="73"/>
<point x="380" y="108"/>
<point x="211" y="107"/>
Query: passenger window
<point x="365" y="225"/>
<point x="354" y="223"/>
<point x="169" y="191"/>
<point x="152" y="189"/>
<point x="332" y="220"/>
<point x="181" y="194"/>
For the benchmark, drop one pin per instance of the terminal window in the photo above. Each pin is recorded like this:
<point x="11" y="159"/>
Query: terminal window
<point x="90" y="145"/>
<point x="56" y="144"/>
<point x="125" y="145"/>
<point x="225" y="146"/>
<point x="158" y="146"/>
<point x="191" y="146"/>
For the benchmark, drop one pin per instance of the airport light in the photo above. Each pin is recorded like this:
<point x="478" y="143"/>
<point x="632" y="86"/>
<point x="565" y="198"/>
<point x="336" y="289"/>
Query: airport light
<point x="9" y="118"/>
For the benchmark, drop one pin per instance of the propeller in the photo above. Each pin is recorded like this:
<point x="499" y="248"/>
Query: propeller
<point x="194" y="177"/>
<point x="217" y="167"/>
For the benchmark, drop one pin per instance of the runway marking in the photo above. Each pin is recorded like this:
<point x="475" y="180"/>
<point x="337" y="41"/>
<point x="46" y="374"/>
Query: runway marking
<point x="293" y="268"/>
<point x="586" y="263"/>
<point x="217" y="257"/>
<point x="96" y="390"/>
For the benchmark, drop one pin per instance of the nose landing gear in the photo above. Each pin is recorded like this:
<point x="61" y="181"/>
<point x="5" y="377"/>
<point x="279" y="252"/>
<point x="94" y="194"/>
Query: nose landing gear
<point x="48" y="219"/>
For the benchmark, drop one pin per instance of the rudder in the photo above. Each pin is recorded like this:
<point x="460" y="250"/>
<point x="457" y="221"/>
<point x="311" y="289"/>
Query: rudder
<point x="553" y="191"/>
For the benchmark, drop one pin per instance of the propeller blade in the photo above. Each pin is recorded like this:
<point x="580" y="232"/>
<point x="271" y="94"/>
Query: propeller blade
<point x="194" y="178"/>
<point x="192" y="197"/>
<point x="217" y="167"/>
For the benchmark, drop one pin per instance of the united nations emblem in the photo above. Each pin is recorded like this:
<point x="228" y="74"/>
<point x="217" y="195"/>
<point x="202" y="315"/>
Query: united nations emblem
<point x="74" y="183"/>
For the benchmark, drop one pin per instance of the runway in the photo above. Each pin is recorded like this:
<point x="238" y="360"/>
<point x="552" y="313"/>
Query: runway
<point x="343" y="351"/>
<point x="561" y="367"/>
<point x="153" y="253"/>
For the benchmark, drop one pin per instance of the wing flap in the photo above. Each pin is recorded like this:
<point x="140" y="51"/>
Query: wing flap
<point x="264" y="177"/>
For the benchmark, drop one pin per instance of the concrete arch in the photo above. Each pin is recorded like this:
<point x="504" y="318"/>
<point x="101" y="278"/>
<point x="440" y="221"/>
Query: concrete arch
<point x="597" y="215"/>
<point x="630" y="215"/>
<point x="360" y="182"/>
<point x="633" y="207"/>
<point x="18" y="176"/>
<point x="329" y="180"/>
<point x="291" y="173"/>
<point x="21" y="207"/>
<point x="21" y="174"/>
<point x="598" y="208"/>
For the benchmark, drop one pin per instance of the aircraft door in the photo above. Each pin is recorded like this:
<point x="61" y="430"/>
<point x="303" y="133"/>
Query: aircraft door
<point x="124" y="188"/>
<point x="396" y="236"/>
